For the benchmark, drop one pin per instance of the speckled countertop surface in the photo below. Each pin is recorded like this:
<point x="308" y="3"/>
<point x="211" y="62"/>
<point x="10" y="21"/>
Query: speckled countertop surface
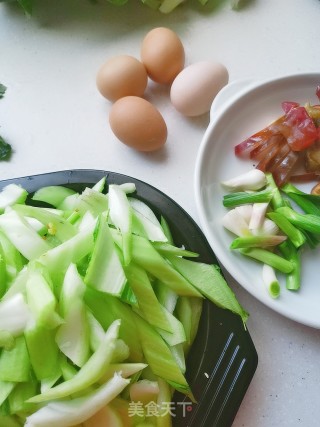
<point x="55" y="119"/>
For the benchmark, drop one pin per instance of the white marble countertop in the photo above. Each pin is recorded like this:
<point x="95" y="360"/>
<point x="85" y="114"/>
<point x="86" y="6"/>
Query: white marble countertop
<point x="55" y="119"/>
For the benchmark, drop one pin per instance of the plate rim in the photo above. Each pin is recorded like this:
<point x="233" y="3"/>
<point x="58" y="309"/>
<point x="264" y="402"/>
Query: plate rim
<point x="221" y="254"/>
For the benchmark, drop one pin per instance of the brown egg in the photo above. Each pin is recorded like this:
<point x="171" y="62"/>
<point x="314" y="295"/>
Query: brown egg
<point x="121" y="76"/>
<point x="162" y="54"/>
<point x="138" y="124"/>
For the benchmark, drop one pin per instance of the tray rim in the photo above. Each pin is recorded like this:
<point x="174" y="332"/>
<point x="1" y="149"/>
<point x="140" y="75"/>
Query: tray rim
<point x="90" y="176"/>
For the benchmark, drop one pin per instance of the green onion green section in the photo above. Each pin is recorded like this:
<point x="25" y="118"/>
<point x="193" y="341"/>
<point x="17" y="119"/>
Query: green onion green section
<point x="243" y="197"/>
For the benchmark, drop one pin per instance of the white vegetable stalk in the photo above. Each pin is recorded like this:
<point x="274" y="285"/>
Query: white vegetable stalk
<point x="12" y="194"/>
<point x="14" y="314"/>
<point x="88" y="220"/>
<point x="72" y="336"/>
<point x="49" y="382"/>
<point x="121" y="216"/>
<point x="41" y="300"/>
<point x="99" y="186"/>
<point x="258" y="215"/>
<point x="96" y="331"/>
<point x="121" y="352"/>
<point x="252" y="180"/>
<point x="75" y="411"/>
<point x="270" y="281"/>
<point x="144" y="391"/>
<point x="128" y="187"/>
<point x="18" y="285"/>
<point x="89" y="374"/>
<point x="235" y="223"/>
<point x="36" y="225"/>
<point x="148" y="220"/>
<point x="70" y="202"/>
<point x="73" y="288"/>
<point x="22" y="235"/>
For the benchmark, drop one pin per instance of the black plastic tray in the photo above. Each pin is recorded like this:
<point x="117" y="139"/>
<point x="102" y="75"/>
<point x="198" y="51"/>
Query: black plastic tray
<point x="223" y="358"/>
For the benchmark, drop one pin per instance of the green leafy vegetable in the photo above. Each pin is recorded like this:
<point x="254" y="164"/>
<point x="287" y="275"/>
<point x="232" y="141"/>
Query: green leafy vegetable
<point x="90" y="301"/>
<point x="2" y="90"/>
<point x="164" y="6"/>
<point x="5" y="148"/>
<point x="26" y="5"/>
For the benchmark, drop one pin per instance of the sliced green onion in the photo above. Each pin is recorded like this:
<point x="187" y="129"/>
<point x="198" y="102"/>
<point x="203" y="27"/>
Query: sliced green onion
<point x="270" y="280"/>
<point x="269" y="258"/>
<point x="236" y="223"/>
<point x="277" y="200"/>
<point x="293" y="233"/>
<point x="291" y="253"/>
<point x="257" y="241"/>
<point x="307" y="222"/>
<point x="240" y="198"/>
<point x="257" y="216"/>
<point x="307" y="202"/>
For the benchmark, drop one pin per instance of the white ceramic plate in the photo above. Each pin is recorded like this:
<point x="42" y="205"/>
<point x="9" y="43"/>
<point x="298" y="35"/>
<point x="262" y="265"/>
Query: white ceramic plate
<point x="241" y="109"/>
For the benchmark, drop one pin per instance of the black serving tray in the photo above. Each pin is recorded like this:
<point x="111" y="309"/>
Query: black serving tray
<point x="223" y="359"/>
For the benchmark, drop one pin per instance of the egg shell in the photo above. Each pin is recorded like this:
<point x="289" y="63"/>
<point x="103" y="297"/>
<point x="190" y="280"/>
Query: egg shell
<point x="196" y="86"/>
<point x="162" y="53"/>
<point x="138" y="124"/>
<point x="120" y="76"/>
